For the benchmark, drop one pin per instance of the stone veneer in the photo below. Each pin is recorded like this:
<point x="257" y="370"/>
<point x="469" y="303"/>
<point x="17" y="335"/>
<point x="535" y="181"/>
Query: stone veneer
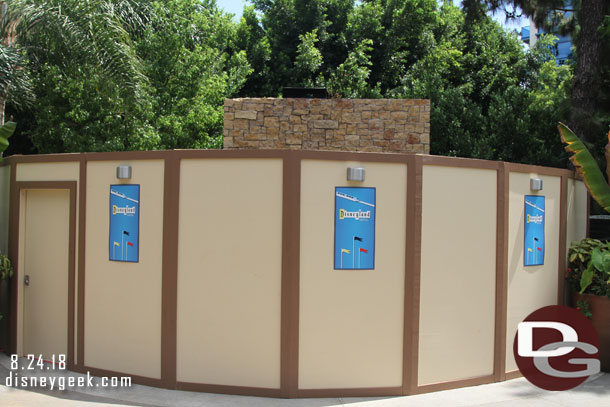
<point x="382" y="125"/>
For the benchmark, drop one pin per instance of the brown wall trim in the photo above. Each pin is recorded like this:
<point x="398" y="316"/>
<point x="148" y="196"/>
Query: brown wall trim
<point x="194" y="154"/>
<point x="146" y="381"/>
<point x="17" y="187"/>
<point x="563" y="216"/>
<point x="225" y="389"/>
<point x="44" y="158"/>
<point x="82" y="226"/>
<point x="513" y="374"/>
<point x="13" y="252"/>
<point x="459" y="162"/>
<point x="526" y="168"/>
<point x="72" y="275"/>
<point x="351" y="392"/>
<point x="474" y="381"/>
<point x="169" y="284"/>
<point x="270" y="153"/>
<point x="501" y="273"/>
<point x="354" y="156"/>
<point x="291" y="237"/>
<point x="412" y="275"/>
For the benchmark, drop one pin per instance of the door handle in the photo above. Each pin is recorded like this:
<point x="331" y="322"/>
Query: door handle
<point x="26" y="280"/>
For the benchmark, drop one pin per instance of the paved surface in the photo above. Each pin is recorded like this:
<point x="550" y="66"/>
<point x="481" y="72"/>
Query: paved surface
<point x="512" y="393"/>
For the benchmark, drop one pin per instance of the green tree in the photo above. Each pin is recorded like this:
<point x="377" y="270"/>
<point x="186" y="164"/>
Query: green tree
<point x="192" y="63"/>
<point x="586" y="21"/>
<point x="490" y="98"/>
<point x="350" y="79"/>
<point x="309" y="59"/>
<point x="93" y="31"/>
<point x="189" y="61"/>
<point x="251" y="38"/>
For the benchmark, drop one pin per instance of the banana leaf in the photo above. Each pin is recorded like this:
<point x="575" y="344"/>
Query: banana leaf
<point x="587" y="167"/>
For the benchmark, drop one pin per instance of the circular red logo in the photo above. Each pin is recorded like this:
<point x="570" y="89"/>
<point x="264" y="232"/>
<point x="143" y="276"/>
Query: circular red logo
<point x="556" y="348"/>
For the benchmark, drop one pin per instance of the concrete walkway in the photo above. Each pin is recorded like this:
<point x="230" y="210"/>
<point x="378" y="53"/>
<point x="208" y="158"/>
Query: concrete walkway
<point x="512" y="393"/>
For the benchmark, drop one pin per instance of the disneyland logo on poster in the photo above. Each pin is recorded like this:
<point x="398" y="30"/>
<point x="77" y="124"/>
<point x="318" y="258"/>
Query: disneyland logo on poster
<point x="125" y="210"/>
<point x="357" y="215"/>
<point x="534" y="219"/>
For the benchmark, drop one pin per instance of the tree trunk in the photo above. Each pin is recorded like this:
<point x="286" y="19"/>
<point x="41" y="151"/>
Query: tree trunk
<point x="586" y="75"/>
<point x="2" y="107"/>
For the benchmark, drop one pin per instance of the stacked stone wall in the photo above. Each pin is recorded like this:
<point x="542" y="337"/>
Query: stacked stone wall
<point x="377" y="125"/>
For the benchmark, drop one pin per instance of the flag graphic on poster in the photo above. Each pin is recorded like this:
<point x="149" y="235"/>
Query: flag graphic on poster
<point x="354" y="228"/>
<point x="124" y="234"/>
<point x="533" y="253"/>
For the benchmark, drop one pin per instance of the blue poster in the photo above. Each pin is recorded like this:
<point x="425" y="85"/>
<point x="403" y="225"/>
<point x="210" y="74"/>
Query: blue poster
<point x="354" y="228"/>
<point x="124" y="236"/>
<point x="533" y="253"/>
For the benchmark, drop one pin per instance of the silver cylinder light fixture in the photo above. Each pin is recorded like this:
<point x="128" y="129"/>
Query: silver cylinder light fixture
<point x="535" y="184"/>
<point x="355" y="174"/>
<point x="123" y="172"/>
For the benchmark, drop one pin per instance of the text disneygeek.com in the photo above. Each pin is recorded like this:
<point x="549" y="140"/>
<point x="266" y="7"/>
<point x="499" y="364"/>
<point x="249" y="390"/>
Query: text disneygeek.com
<point x="26" y="373"/>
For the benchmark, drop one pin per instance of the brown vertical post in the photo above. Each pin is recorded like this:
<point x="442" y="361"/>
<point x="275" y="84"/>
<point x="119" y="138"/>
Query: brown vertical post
<point x="412" y="274"/>
<point x="82" y="226"/>
<point x="563" y="217"/>
<point x="13" y="233"/>
<point x="501" y="274"/>
<point x="71" y="272"/>
<point x="169" y="278"/>
<point x="291" y="218"/>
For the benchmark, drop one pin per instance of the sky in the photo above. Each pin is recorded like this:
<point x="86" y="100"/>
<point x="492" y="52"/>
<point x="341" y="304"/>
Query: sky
<point x="232" y="6"/>
<point x="236" y="7"/>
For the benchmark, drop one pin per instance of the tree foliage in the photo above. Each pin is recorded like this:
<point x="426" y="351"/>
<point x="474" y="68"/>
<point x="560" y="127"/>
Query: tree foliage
<point x="491" y="98"/>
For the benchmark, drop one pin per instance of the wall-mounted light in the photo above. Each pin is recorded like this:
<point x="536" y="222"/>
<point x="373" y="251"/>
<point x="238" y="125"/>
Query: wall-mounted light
<point x="123" y="172"/>
<point x="535" y="184"/>
<point x="355" y="174"/>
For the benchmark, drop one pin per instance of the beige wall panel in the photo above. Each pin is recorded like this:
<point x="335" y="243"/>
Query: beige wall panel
<point x="571" y="214"/>
<point x="458" y="274"/>
<point x="351" y="322"/>
<point x="532" y="287"/>
<point x="5" y="192"/>
<point x="577" y="212"/>
<point x="123" y="300"/>
<point x="229" y="272"/>
<point x="581" y="204"/>
<point x="52" y="171"/>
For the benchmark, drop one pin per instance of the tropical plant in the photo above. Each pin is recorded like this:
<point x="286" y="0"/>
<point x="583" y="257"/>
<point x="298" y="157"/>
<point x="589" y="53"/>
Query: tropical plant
<point x="96" y="31"/>
<point x="589" y="267"/>
<point x="6" y="131"/>
<point x="6" y="270"/>
<point x="585" y="164"/>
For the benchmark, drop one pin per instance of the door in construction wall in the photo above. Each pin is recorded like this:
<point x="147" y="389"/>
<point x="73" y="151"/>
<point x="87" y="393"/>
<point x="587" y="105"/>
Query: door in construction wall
<point x="44" y="271"/>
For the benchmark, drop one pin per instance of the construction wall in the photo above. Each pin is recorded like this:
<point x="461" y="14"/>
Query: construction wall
<point x="235" y="289"/>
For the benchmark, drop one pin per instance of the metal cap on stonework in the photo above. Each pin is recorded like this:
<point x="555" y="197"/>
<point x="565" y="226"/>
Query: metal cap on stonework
<point x="305" y="93"/>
